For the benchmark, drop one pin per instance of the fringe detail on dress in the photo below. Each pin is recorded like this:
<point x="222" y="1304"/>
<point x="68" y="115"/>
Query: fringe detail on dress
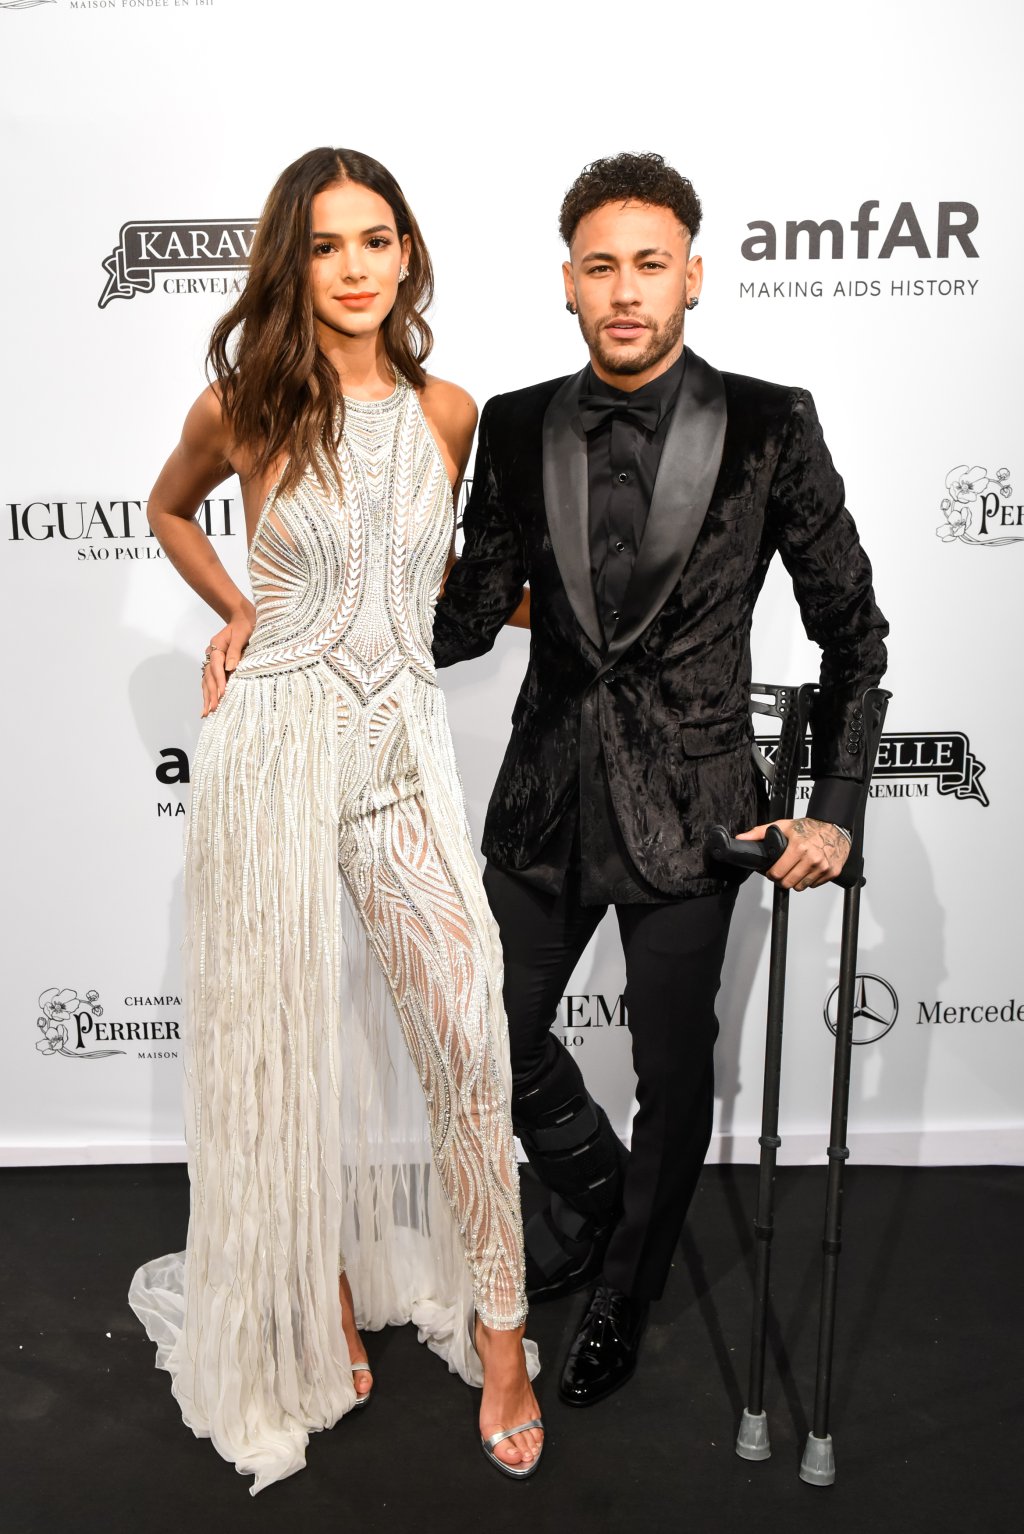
<point x="308" y="1142"/>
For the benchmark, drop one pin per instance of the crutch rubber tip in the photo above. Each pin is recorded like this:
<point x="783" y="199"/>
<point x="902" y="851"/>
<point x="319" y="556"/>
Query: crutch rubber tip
<point x="752" y="1440"/>
<point x="818" y="1466"/>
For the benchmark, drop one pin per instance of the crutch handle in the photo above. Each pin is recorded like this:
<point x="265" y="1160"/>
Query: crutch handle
<point x="756" y="857"/>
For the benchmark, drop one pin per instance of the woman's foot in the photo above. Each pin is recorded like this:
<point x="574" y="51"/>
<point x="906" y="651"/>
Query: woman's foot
<point x="362" y="1379"/>
<point x="508" y="1397"/>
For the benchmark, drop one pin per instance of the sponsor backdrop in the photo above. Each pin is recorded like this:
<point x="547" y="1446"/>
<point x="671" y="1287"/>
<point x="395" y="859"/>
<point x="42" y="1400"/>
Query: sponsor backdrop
<point x="862" y="238"/>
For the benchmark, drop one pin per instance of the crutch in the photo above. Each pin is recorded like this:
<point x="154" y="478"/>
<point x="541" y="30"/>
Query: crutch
<point x="818" y="1465"/>
<point x="792" y="706"/>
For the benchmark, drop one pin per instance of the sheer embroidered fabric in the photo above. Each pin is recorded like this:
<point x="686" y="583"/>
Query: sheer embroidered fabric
<point x="347" y="1076"/>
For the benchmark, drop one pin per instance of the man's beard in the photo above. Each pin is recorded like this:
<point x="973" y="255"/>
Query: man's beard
<point x="660" y="343"/>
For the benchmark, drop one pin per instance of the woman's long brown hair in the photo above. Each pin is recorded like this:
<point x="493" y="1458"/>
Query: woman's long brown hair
<point x="279" y="392"/>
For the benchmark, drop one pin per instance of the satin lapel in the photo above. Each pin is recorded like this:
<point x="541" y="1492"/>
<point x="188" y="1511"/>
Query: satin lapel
<point x="686" y="479"/>
<point x="566" y="501"/>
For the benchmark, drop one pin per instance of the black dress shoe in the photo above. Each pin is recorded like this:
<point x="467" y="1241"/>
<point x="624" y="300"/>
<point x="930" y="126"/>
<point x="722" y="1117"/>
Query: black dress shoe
<point x="604" y="1354"/>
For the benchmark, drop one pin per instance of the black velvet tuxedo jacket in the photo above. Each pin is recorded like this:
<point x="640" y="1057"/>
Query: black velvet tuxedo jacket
<point x="744" y="473"/>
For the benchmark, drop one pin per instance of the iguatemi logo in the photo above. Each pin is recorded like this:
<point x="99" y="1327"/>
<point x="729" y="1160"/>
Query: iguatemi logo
<point x="67" y="1019"/>
<point x="175" y="250"/>
<point x="907" y="766"/>
<point x="976" y="506"/>
<point x="106" y="530"/>
<point x="587" y="1012"/>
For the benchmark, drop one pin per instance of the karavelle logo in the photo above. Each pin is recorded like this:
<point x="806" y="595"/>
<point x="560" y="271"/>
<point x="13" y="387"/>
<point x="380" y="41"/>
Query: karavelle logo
<point x="875" y="1009"/>
<point x="177" y="248"/>
<point x="907" y="765"/>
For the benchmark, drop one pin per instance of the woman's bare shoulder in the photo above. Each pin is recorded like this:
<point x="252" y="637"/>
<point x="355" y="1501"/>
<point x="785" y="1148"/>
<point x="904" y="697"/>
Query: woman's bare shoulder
<point x="448" y="404"/>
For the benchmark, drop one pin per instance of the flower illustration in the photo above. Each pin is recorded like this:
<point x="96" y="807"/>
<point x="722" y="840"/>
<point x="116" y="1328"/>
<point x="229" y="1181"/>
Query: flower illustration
<point x="1005" y="489"/>
<point x="58" y="1003"/>
<point x="945" y="504"/>
<point x="964" y="484"/>
<point x="1002" y="474"/>
<point x="58" y="1006"/>
<point x="55" y="1037"/>
<point x="958" y="520"/>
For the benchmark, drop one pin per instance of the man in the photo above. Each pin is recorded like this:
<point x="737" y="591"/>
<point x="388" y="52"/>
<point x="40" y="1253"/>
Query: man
<point x="642" y="500"/>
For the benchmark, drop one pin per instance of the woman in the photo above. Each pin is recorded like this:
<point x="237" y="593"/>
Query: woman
<point x="347" y="1065"/>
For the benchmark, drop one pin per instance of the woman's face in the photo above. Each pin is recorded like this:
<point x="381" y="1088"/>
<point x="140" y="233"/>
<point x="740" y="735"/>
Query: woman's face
<point x="355" y="257"/>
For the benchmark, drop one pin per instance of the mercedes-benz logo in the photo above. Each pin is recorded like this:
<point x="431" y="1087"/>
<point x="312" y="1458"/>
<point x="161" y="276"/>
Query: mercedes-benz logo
<point x="875" y="1008"/>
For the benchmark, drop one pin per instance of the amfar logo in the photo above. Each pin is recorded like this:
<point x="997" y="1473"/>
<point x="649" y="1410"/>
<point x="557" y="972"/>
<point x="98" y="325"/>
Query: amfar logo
<point x="67" y="1016"/>
<point x="807" y="239"/>
<point x="172" y="770"/>
<point x="976" y="499"/>
<point x="178" y="246"/>
<point x="875" y="1009"/>
<point x="106" y="530"/>
<point x="907" y="765"/>
<point x="955" y="221"/>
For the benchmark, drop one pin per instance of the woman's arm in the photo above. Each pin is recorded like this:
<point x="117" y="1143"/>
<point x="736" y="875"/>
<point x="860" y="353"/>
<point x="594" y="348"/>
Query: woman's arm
<point x="197" y="465"/>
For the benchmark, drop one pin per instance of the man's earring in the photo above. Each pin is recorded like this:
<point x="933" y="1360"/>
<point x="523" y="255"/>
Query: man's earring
<point x="570" y="306"/>
<point x="403" y="272"/>
<point x="691" y="303"/>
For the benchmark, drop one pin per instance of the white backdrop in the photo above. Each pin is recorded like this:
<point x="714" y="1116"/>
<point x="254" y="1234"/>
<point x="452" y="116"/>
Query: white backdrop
<point x="176" y="117"/>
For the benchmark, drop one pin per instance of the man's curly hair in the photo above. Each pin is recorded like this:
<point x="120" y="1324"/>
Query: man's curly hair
<point x="629" y="178"/>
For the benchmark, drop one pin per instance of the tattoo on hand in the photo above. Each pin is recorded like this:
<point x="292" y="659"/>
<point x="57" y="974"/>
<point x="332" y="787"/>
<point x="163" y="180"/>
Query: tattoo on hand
<point x="825" y="836"/>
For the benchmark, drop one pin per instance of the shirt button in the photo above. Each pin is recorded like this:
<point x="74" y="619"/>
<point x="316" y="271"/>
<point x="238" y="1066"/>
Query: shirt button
<point x="615" y="614"/>
<point x="609" y="678"/>
<point x="623" y="478"/>
<point x="619" y="545"/>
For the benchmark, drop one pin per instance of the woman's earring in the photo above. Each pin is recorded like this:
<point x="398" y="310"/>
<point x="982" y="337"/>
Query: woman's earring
<point x="403" y="272"/>
<point x="570" y="306"/>
<point x="691" y="303"/>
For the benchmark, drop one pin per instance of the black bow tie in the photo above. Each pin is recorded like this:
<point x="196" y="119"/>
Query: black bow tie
<point x="596" y="409"/>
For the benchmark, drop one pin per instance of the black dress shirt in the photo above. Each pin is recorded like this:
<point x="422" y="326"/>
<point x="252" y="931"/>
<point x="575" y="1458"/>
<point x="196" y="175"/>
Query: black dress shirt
<point x="622" y="465"/>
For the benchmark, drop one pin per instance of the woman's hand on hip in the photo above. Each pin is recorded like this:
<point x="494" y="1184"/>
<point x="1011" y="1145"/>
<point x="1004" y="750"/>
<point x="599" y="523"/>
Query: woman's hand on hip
<point x="223" y="653"/>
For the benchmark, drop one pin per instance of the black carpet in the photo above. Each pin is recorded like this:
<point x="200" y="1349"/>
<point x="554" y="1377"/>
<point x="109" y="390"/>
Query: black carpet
<point x="926" y="1403"/>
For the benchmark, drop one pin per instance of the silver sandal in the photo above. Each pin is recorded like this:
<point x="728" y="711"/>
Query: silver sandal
<point x="364" y="1400"/>
<point x="517" y="1472"/>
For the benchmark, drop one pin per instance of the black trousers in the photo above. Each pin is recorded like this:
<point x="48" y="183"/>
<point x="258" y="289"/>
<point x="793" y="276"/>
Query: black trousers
<point x="674" y="954"/>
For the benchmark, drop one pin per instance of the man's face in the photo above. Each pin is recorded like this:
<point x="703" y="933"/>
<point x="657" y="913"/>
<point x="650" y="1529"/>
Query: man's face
<point x="630" y="274"/>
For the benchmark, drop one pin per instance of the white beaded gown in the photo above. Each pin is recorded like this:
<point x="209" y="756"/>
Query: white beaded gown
<point x="347" y="1074"/>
